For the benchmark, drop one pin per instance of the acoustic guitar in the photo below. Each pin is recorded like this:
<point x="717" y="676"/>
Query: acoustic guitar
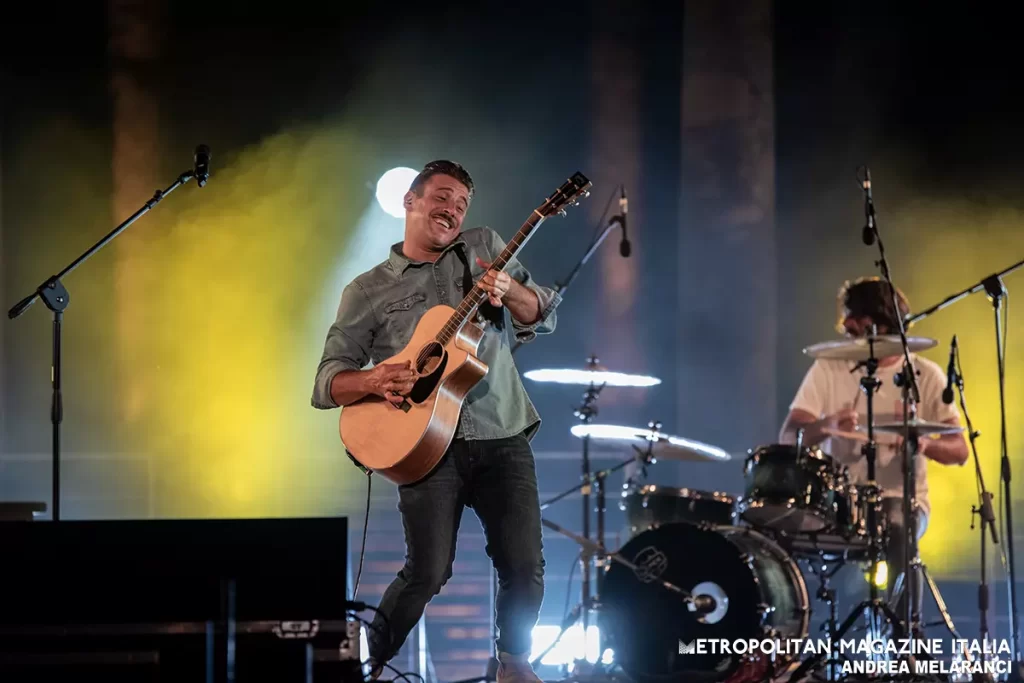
<point x="404" y="443"/>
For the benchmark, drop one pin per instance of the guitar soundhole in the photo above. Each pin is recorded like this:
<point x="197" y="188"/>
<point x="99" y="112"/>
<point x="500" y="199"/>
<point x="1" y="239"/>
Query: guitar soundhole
<point x="430" y="364"/>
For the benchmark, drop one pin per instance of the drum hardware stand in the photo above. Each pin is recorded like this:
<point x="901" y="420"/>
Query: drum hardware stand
<point x="592" y="548"/>
<point x="995" y="290"/>
<point x="586" y="414"/>
<point x="702" y="604"/>
<point x="827" y="595"/>
<point x="874" y="605"/>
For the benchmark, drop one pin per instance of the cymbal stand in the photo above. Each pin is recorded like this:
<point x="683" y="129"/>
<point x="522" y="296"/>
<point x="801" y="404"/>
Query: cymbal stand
<point x="590" y="547"/>
<point x="874" y="605"/>
<point x="827" y="594"/>
<point x="586" y="414"/>
<point x="911" y="608"/>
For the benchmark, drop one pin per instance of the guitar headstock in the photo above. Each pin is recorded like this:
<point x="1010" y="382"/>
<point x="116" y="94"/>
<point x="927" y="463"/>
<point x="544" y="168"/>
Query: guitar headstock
<point x="569" y="194"/>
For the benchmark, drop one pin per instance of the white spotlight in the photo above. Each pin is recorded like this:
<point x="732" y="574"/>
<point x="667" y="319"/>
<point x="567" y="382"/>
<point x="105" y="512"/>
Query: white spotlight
<point x="391" y="189"/>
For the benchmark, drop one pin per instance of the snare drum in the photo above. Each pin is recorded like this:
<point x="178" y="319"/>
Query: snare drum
<point x="790" y="491"/>
<point x="650" y="506"/>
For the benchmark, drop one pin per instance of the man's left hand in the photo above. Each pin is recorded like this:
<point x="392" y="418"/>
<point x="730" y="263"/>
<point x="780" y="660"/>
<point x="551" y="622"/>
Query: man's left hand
<point x="495" y="282"/>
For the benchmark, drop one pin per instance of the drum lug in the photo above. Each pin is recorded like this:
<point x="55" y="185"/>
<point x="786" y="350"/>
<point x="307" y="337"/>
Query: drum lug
<point x="747" y="559"/>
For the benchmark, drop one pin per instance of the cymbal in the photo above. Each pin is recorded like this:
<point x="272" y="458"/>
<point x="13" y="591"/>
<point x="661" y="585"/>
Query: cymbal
<point x="857" y="348"/>
<point x="665" y="446"/>
<point x="921" y="427"/>
<point x="586" y="377"/>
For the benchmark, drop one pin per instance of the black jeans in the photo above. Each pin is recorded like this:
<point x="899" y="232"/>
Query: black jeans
<point x="496" y="478"/>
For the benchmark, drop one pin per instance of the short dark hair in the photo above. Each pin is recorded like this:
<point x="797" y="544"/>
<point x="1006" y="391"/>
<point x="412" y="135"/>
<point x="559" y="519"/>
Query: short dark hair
<point x="871" y="297"/>
<point x="442" y="167"/>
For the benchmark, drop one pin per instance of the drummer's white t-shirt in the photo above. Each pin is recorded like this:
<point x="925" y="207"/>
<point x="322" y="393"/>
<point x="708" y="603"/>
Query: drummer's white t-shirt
<point x="829" y="386"/>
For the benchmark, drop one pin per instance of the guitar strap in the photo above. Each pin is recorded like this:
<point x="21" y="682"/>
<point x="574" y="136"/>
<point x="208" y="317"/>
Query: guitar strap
<point x="491" y="313"/>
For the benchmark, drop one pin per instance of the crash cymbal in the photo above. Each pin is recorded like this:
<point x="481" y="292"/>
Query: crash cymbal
<point x="858" y="348"/>
<point x="665" y="446"/>
<point x="587" y="377"/>
<point x="921" y="427"/>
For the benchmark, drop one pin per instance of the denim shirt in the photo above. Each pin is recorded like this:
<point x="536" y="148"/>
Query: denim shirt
<point x="379" y="311"/>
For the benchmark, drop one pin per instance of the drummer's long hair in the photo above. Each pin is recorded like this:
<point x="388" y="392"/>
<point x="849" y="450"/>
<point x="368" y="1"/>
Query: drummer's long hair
<point x="871" y="297"/>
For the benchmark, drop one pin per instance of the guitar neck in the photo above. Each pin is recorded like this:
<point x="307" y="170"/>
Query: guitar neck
<point x="469" y="305"/>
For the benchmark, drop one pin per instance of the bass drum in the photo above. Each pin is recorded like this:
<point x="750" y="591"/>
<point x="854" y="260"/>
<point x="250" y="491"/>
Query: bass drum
<point x="758" y="590"/>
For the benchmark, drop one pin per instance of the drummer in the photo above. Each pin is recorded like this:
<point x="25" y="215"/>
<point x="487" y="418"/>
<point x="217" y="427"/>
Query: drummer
<point x="830" y="400"/>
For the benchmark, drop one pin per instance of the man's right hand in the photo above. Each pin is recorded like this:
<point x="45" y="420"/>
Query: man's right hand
<point x="391" y="381"/>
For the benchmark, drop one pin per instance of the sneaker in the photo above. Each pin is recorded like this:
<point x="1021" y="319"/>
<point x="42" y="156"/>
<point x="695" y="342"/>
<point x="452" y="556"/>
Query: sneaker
<point x="515" y="669"/>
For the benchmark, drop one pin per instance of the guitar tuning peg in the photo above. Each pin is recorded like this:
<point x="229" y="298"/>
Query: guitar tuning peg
<point x="561" y="212"/>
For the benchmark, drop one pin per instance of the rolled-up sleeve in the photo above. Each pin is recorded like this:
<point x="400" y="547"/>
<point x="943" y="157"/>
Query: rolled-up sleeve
<point x="549" y="298"/>
<point x="348" y="345"/>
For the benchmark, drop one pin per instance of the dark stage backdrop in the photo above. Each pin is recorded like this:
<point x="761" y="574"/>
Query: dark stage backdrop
<point x="192" y="340"/>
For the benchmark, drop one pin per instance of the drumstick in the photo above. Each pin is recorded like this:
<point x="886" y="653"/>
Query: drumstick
<point x="856" y="436"/>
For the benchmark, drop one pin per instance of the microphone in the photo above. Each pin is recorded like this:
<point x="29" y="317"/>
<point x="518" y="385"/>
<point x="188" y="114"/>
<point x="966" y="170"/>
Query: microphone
<point x="625" y="248"/>
<point x="868" y="234"/>
<point x="947" y="393"/>
<point x="201" y="169"/>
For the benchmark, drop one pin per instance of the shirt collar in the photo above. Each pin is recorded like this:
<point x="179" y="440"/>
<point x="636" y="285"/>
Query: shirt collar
<point x="400" y="261"/>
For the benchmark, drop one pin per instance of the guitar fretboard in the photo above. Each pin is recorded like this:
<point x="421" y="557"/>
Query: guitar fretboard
<point x="472" y="301"/>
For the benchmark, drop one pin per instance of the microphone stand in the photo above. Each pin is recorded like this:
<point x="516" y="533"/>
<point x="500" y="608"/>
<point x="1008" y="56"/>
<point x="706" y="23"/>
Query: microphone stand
<point x="983" y="510"/>
<point x="491" y="674"/>
<point x="56" y="298"/>
<point x="907" y="380"/>
<point x="996" y="292"/>
<point x="613" y="222"/>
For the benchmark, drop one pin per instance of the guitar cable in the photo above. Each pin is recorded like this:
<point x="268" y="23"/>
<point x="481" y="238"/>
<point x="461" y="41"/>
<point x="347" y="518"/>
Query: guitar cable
<point x="366" y="525"/>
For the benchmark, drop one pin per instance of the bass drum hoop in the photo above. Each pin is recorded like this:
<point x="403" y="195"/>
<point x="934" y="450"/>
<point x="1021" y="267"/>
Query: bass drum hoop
<point x="750" y="668"/>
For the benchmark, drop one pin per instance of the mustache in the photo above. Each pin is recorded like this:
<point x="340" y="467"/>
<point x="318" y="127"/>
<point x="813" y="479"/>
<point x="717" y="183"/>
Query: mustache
<point x="445" y="215"/>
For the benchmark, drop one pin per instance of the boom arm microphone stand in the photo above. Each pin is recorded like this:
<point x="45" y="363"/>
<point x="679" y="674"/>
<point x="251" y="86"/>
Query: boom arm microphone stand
<point x="869" y="384"/>
<point x="55" y="296"/>
<point x="907" y="380"/>
<point x="996" y="291"/>
<point x="983" y="510"/>
<point x="615" y="221"/>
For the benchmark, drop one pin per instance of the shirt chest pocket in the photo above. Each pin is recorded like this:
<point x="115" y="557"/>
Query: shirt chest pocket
<point x="405" y="304"/>
<point x="400" y="318"/>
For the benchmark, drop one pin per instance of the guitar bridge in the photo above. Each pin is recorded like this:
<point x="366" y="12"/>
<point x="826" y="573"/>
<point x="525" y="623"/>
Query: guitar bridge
<point x="405" y="406"/>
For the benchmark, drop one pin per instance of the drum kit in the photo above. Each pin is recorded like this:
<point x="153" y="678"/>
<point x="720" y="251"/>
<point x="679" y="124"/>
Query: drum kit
<point x="714" y="566"/>
<point x="707" y="565"/>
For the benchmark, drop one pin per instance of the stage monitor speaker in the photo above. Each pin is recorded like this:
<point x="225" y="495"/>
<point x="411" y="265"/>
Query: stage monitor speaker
<point x="169" y="600"/>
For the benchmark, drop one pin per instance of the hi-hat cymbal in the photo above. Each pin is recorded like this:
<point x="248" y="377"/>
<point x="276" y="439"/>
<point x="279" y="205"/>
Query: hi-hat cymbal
<point x="587" y="377"/>
<point x="920" y="427"/>
<point x="859" y="348"/>
<point x="664" y="446"/>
